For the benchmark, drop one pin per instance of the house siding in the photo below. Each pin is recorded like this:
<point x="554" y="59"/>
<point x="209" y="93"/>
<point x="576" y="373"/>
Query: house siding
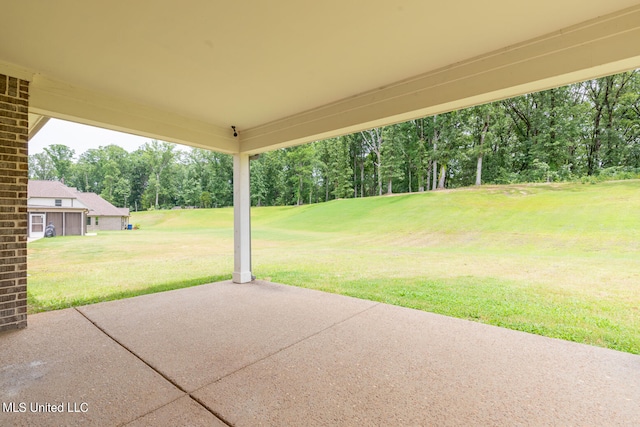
<point x="105" y="223"/>
<point x="14" y="128"/>
<point x="51" y="201"/>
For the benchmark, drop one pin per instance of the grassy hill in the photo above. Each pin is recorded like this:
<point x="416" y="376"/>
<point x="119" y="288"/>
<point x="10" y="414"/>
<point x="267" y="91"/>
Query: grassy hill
<point x="560" y="260"/>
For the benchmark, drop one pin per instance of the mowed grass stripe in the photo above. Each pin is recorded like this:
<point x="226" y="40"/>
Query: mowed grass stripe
<point x="561" y="260"/>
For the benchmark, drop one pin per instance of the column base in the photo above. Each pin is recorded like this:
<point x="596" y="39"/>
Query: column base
<point x="243" y="277"/>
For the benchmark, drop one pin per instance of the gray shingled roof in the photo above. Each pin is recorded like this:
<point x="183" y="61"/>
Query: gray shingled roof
<point x="99" y="206"/>
<point x="55" y="189"/>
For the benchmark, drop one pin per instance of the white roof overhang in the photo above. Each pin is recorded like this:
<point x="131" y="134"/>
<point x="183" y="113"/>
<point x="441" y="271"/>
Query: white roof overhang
<point x="47" y="208"/>
<point x="289" y="72"/>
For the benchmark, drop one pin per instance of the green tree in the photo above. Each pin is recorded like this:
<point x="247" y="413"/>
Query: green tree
<point x="392" y="159"/>
<point x="159" y="156"/>
<point x="121" y="192"/>
<point x="358" y="156"/>
<point x="449" y="140"/>
<point x="110" y="178"/>
<point x="259" y="186"/>
<point x="275" y="177"/>
<point x="139" y="173"/>
<point x="479" y="124"/>
<point x="629" y="124"/>
<point x="373" y="139"/>
<point x="222" y="185"/>
<point x="546" y="126"/>
<point x="607" y="96"/>
<point x="338" y="167"/>
<point x="301" y="161"/>
<point x="88" y="174"/>
<point x="41" y="167"/>
<point x="62" y="158"/>
<point x="205" y="199"/>
<point x="436" y="130"/>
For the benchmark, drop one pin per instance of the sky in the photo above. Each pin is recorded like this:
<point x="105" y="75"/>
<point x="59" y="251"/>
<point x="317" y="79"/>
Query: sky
<point x="81" y="137"/>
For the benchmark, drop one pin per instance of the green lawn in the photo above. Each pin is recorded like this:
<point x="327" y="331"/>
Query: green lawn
<point x="561" y="260"/>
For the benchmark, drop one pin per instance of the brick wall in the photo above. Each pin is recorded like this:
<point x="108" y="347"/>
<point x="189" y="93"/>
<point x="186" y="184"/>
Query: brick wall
<point x="14" y="104"/>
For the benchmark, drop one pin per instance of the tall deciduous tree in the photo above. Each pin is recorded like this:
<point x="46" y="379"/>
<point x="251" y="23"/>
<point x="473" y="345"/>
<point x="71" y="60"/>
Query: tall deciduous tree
<point x="41" y="167"/>
<point x="605" y="95"/>
<point x="479" y="121"/>
<point x="62" y="158"/>
<point x="159" y="155"/>
<point x="392" y="155"/>
<point x="358" y="154"/>
<point x="373" y="140"/>
<point x="435" y="137"/>
<point x="301" y="162"/>
<point x="418" y="152"/>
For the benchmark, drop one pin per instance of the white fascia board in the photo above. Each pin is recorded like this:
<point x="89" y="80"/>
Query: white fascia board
<point x="36" y="122"/>
<point x="47" y="208"/>
<point x="63" y="101"/>
<point x="599" y="47"/>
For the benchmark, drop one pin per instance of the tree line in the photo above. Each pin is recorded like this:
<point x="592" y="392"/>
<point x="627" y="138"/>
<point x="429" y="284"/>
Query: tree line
<point x="578" y="131"/>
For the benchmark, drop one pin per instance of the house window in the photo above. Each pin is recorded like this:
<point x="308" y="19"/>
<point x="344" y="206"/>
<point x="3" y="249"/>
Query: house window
<point x="58" y="202"/>
<point x="88" y="220"/>
<point x="96" y="220"/>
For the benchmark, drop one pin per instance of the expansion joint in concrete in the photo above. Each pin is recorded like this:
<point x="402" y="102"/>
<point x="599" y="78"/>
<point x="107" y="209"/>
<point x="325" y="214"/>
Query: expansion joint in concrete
<point x="176" y="385"/>
<point x="293" y="344"/>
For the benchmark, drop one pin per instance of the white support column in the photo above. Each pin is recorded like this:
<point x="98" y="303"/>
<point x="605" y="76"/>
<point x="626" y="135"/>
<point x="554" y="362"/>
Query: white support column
<point x="242" y="219"/>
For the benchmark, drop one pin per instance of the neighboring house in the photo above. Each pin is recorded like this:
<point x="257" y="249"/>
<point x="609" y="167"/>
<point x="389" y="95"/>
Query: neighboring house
<point x="72" y="212"/>
<point x="53" y="202"/>
<point x="103" y="215"/>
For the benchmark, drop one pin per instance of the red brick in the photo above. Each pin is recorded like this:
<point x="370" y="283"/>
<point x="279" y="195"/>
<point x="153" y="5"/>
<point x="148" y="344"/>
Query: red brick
<point x="14" y="108"/>
<point x="12" y="275"/>
<point x="11" y="245"/>
<point x="9" y="297"/>
<point x="13" y="322"/>
<point x="14" y="260"/>
<point x="7" y="311"/>
<point x="12" y="289"/>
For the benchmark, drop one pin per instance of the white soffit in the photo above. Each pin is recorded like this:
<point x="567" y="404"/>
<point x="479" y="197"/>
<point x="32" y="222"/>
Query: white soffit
<point x="36" y="122"/>
<point x="288" y="72"/>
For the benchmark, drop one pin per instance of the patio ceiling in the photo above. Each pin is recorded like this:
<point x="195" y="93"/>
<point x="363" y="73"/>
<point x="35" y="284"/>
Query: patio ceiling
<point x="290" y="71"/>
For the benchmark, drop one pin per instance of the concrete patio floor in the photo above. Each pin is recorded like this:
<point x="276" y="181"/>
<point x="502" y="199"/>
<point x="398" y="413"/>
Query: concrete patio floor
<point x="269" y="354"/>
